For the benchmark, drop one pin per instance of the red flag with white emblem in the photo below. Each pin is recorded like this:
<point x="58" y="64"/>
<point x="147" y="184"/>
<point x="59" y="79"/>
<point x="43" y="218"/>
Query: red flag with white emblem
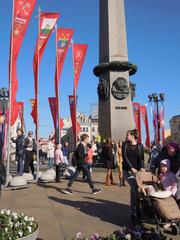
<point x="79" y="52"/>
<point x="22" y="12"/>
<point x="63" y="39"/>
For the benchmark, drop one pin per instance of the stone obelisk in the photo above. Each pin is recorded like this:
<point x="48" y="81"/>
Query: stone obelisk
<point x="115" y="104"/>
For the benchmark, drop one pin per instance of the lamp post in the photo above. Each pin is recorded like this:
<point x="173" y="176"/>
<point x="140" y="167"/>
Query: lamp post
<point x="154" y="97"/>
<point x="4" y="96"/>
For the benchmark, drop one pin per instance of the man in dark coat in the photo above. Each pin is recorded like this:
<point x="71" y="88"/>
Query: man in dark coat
<point x="20" y="151"/>
<point x="80" y="154"/>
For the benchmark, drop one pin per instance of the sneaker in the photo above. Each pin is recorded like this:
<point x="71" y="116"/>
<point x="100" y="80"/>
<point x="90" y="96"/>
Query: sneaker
<point x="96" y="191"/>
<point x="68" y="191"/>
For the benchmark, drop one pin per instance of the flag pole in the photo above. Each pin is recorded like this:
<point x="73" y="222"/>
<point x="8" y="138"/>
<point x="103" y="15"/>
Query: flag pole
<point x="74" y="93"/>
<point x="58" y="130"/>
<point x="37" y="95"/>
<point x="10" y="95"/>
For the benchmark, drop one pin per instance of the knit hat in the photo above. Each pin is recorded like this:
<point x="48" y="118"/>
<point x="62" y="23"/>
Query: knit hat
<point x="165" y="162"/>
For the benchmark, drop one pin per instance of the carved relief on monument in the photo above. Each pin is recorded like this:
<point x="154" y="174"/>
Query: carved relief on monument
<point x="103" y="89"/>
<point x="120" y="89"/>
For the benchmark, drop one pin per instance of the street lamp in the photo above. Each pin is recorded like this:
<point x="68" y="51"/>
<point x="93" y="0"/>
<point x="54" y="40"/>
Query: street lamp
<point x="4" y="96"/>
<point x="154" y="97"/>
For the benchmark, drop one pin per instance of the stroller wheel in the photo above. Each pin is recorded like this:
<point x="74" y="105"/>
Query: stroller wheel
<point x="175" y="229"/>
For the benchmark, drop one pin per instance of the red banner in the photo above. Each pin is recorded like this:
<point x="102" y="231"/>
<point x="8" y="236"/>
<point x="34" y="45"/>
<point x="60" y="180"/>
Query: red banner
<point x="21" y="112"/>
<point x="79" y="52"/>
<point x="137" y="119"/>
<point x="63" y="40"/>
<point x="144" y="116"/>
<point x="53" y="107"/>
<point x="75" y="125"/>
<point x="162" y="127"/>
<point x="155" y="124"/>
<point x="47" y="23"/>
<point x="22" y="13"/>
<point x="34" y="110"/>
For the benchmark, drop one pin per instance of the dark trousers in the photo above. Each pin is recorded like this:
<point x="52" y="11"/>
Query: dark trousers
<point x="76" y="174"/>
<point x="29" y="162"/>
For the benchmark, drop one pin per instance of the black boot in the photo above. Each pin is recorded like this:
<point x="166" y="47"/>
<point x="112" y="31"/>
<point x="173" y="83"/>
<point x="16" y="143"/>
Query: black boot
<point x="123" y="181"/>
<point x="120" y="184"/>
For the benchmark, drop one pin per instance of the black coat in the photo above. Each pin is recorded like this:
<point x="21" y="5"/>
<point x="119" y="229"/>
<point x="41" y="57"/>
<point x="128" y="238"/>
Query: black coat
<point x="174" y="160"/>
<point x="20" y="143"/>
<point x="80" y="154"/>
<point x="127" y="165"/>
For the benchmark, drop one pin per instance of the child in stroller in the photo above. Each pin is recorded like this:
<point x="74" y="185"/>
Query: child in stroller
<point x="161" y="204"/>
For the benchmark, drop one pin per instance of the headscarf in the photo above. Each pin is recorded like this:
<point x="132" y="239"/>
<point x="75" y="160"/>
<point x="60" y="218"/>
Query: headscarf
<point x="172" y="147"/>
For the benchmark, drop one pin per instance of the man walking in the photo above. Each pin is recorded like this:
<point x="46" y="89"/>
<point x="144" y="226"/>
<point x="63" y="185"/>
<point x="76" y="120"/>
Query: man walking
<point x="80" y="154"/>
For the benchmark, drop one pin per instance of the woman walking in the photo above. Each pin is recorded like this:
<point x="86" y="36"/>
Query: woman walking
<point x="119" y="164"/>
<point x="59" y="159"/>
<point x="109" y="161"/>
<point x="133" y="161"/>
<point x="50" y="153"/>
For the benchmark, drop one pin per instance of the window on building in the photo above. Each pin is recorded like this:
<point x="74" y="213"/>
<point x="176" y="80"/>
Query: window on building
<point x="93" y="129"/>
<point x="84" y="129"/>
<point x="179" y="127"/>
<point x="87" y="129"/>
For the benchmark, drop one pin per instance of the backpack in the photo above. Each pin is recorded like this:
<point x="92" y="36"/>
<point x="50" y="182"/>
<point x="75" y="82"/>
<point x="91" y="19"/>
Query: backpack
<point x="2" y="173"/>
<point x="74" y="161"/>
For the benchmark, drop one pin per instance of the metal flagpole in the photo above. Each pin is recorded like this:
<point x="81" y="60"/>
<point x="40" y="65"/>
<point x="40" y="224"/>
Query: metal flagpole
<point x="58" y="130"/>
<point x="37" y="97"/>
<point x="74" y="92"/>
<point x="10" y="95"/>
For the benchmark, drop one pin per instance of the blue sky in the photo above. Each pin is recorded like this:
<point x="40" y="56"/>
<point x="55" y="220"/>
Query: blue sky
<point x="153" y="36"/>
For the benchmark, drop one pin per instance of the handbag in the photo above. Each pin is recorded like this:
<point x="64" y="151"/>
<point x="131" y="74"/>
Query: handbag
<point x="2" y="173"/>
<point x="62" y="167"/>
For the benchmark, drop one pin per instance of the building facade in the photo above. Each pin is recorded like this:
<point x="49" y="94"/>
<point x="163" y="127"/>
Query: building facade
<point x="175" y="128"/>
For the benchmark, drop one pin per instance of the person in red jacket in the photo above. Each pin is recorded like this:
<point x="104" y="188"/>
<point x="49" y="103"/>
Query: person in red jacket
<point x="88" y="158"/>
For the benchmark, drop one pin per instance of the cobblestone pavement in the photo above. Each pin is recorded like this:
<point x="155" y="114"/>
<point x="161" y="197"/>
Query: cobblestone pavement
<point x="61" y="216"/>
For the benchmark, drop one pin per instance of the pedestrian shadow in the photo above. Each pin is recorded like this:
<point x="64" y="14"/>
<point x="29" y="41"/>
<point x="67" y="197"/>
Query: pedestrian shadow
<point x="107" y="211"/>
<point x="45" y="185"/>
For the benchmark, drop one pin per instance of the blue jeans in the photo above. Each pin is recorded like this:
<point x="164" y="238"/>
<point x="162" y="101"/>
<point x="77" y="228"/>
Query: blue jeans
<point x="134" y="197"/>
<point x="50" y="162"/>
<point x="20" y="159"/>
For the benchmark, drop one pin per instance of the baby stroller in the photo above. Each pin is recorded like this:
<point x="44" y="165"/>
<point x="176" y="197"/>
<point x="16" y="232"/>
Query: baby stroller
<point x="159" y="205"/>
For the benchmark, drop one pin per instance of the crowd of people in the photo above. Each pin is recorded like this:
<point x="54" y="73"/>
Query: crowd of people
<point x="127" y="157"/>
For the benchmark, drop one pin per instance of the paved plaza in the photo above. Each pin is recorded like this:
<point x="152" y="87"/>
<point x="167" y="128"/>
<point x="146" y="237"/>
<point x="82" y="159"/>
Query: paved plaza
<point x="61" y="216"/>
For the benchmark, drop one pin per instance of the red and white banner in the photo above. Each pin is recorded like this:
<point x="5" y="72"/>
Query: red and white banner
<point x="63" y="39"/>
<point x="162" y="125"/>
<point x="137" y="118"/>
<point x="79" y="52"/>
<point x="144" y="116"/>
<point x="47" y="23"/>
<point x="22" y="13"/>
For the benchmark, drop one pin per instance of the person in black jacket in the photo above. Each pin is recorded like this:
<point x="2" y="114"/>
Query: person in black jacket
<point x="20" y="151"/>
<point x="109" y="161"/>
<point x="133" y="161"/>
<point x="80" y="154"/>
<point x="30" y="146"/>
